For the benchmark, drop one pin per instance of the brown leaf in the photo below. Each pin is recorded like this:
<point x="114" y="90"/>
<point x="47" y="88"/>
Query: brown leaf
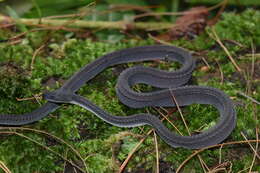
<point x="188" y="25"/>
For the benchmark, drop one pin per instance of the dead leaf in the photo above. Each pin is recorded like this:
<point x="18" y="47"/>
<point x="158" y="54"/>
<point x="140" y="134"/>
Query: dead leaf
<point x="189" y="25"/>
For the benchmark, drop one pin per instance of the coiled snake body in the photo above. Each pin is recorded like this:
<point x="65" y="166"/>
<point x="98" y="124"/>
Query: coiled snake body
<point x="171" y="84"/>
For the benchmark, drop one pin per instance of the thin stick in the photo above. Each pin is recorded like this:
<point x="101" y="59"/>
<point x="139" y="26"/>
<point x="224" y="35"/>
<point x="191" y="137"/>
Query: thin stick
<point x="216" y="38"/>
<point x="253" y="63"/>
<point x="212" y="146"/>
<point x="157" y="152"/>
<point x="248" y="97"/>
<point x="178" y="107"/>
<point x="206" y="62"/>
<point x="220" y="155"/>
<point x="244" y="170"/>
<point x="92" y="24"/>
<point x="4" y="167"/>
<point x="255" y="152"/>
<point x="36" y="52"/>
<point x="221" y="72"/>
<point x="170" y="122"/>
<point x="37" y="96"/>
<point x="253" y="149"/>
<point x="159" y="40"/>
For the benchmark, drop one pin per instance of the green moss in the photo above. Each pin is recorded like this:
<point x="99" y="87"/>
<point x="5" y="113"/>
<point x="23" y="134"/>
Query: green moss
<point x="90" y="135"/>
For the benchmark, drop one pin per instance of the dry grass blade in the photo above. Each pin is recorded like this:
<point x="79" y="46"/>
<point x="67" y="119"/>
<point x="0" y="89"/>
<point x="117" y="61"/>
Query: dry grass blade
<point x="157" y="152"/>
<point x="178" y="107"/>
<point x="159" y="40"/>
<point x="248" y="97"/>
<point x="210" y="147"/>
<point x="58" y="24"/>
<point x="36" y="52"/>
<point x="36" y="96"/>
<point x="220" y="155"/>
<point x="255" y="152"/>
<point x="169" y="121"/>
<point x="253" y="149"/>
<point x="251" y="73"/>
<point x="206" y="62"/>
<point x="4" y="167"/>
<point x="217" y="39"/>
<point x="221" y="73"/>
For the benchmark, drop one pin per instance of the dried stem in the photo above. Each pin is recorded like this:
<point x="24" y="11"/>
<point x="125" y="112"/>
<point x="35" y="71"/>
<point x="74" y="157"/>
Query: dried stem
<point x="216" y="38"/>
<point x="90" y="24"/>
<point x="157" y="152"/>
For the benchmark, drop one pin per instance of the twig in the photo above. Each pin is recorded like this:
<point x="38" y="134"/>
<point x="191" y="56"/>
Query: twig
<point x="37" y="96"/>
<point x="248" y="97"/>
<point x="92" y="24"/>
<point x="220" y="155"/>
<point x="4" y="167"/>
<point x="212" y="146"/>
<point x="66" y="156"/>
<point x="157" y="152"/>
<point x="206" y="62"/>
<point x="36" y="52"/>
<point x="255" y="152"/>
<point x="249" y="55"/>
<point x="221" y="73"/>
<point x="178" y="107"/>
<point x="244" y="170"/>
<point x="179" y="110"/>
<point x="216" y="38"/>
<point x="169" y="122"/>
<point x="159" y="40"/>
<point x="251" y="76"/>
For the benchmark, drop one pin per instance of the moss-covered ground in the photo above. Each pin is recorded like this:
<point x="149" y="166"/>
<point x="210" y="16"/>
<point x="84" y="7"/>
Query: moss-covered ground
<point x="104" y="147"/>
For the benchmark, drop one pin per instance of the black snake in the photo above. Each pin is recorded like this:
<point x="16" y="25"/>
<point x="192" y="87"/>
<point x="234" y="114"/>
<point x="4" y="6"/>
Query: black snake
<point x="170" y="82"/>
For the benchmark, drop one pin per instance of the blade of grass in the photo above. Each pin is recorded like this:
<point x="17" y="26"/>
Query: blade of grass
<point x="217" y="39"/>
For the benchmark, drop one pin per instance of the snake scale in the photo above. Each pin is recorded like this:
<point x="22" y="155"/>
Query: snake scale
<point x="170" y="83"/>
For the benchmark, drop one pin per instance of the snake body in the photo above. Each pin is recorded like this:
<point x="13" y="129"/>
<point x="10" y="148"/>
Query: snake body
<point x="171" y="84"/>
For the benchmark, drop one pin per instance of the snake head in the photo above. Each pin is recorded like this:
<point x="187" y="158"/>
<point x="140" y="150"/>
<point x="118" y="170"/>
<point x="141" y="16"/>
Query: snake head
<point x="58" y="97"/>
